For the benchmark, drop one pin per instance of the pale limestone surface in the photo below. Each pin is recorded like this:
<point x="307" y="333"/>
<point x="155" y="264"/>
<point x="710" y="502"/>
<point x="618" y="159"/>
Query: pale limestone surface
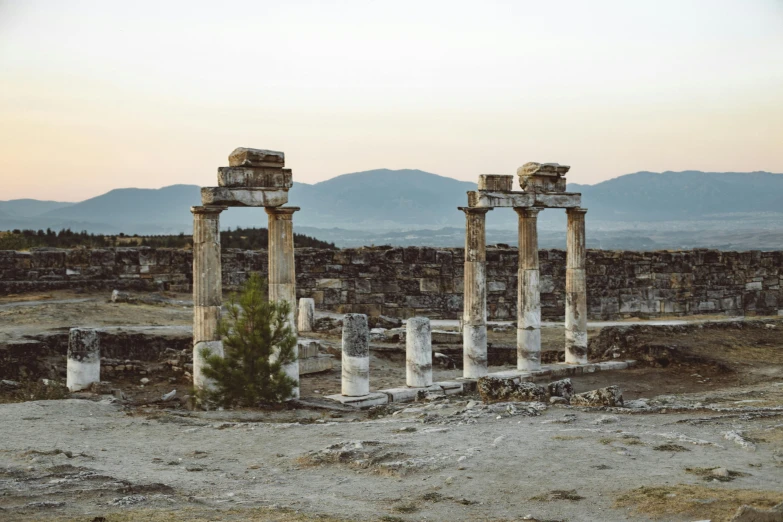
<point x="246" y="157"/>
<point x="418" y="352"/>
<point x="244" y="197"/>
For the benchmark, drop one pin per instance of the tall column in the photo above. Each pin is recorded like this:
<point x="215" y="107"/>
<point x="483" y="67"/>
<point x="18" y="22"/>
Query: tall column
<point x="474" y="318"/>
<point x="207" y="287"/>
<point x="576" y="289"/>
<point x="282" y="273"/>
<point x="528" y="292"/>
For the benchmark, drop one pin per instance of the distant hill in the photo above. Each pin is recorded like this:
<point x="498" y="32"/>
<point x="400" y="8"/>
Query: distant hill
<point x="22" y="208"/>
<point x="638" y="210"/>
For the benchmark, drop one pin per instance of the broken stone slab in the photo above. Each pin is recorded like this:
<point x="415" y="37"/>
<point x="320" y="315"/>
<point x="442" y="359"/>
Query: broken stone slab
<point x="255" y="177"/>
<point x="361" y="401"/>
<point x="384" y="321"/>
<point x="562" y="388"/>
<point x="307" y="348"/>
<point x="495" y="182"/>
<point x="609" y="396"/>
<point x="493" y="389"/>
<point x="247" y="157"/>
<point x="118" y="296"/>
<point x="533" y="168"/>
<point x="244" y="197"/>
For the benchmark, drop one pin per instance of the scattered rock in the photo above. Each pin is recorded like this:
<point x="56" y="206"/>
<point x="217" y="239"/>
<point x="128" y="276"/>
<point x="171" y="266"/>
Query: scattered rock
<point x="168" y="396"/>
<point x="558" y="400"/>
<point x="562" y="388"/>
<point x="737" y="438"/>
<point x="606" y="419"/>
<point x="6" y="385"/>
<point x="121" y="297"/>
<point x="128" y="501"/>
<point x="494" y="389"/>
<point x="720" y="472"/>
<point x="383" y="321"/>
<point x="144" y="380"/>
<point x="753" y="514"/>
<point x="609" y="396"/>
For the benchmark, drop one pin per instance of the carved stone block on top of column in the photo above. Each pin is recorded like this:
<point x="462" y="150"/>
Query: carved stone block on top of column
<point x="474" y="318"/>
<point x="542" y="177"/>
<point x="495" y="182"/>
<point x="576" y="289"/>
<point x="528" y="293"/>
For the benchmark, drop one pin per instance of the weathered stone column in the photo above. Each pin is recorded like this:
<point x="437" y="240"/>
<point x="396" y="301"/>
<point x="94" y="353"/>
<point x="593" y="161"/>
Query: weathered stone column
<point x="528" y="292"/>
<point x="207" y="287"/>
<point x="418" y="352"/>
<point x="474" y="316"/>
<point x="306" y="318"/>
<point x="576" y="289"/>
<point x="83" y="365"/>
<point x="356" y="356"/>
<point x="282" y="274"/>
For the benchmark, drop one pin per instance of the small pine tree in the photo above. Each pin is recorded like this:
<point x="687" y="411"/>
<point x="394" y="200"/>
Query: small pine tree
<point x="258" y="343"/>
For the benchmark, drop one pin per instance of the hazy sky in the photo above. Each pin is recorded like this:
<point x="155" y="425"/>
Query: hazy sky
<point x="96" y="95"/>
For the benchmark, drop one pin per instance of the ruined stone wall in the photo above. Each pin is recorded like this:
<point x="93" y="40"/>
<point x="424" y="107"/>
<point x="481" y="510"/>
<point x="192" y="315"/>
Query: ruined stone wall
<point x="428" y="281"/>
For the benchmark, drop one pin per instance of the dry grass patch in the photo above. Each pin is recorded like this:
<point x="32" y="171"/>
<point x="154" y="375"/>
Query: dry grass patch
<point x="708" y="474"/>
<point x="566" y="437"/>
<point x="558" y="494"/>
<point x="200" y="515"/>
<point x="670" y="447"/>
<point x="699" y="502"/>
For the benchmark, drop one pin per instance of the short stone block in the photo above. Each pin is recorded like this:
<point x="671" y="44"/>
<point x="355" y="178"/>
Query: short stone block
<point x="362" y="401"/>
<point x="319" y="363"/>
<point x="407" y="394"/>
<point x="451" y="387"/>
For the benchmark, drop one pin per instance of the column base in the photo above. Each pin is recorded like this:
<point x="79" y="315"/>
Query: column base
<point x="529" y="349"/>
<point x="474" y="349"/>
<point x="200" y="382"/>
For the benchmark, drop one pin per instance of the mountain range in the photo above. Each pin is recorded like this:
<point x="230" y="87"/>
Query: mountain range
<point x="417" y="207"/>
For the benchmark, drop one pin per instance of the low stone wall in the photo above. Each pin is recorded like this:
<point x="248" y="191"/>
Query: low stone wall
<point x="428" y="281"/>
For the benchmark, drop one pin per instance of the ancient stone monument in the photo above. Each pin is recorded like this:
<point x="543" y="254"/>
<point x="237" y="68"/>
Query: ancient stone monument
<point x="543" y="186"/>
<point x="254" y="178"/>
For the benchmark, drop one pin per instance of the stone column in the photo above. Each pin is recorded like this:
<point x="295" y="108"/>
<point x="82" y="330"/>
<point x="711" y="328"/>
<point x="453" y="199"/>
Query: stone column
<point x="356" y="356"/>
<point x="528" y="292"/>
<point x="418" y="352"/>
<point x="83" y="360"/>
<point x="576" y="289"/>
<point x="282" y="274"/>
<point x="207" y="287"/>
<point x="306" y="318"/>
<point x="474" y="316"/>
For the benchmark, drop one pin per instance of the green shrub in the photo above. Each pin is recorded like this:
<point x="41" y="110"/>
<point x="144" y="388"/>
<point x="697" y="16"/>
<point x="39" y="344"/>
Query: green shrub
<point x="258" y="343"/>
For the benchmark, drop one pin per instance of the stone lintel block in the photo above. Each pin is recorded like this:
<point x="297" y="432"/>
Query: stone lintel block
<point x="484" y="199"/>
<point x="543" y="169"/>
<point x="564" y="200"/>
<point x="244" y="197"/>
<point x="255" y="177"/>
<point x="245" y="157"/>
<point x="489" y="200"/>
<point x="495" y="182"/>
<point x="362" y="401"/>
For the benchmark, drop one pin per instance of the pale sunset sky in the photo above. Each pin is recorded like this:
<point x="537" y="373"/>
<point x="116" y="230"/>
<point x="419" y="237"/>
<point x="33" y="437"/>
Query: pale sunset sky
<point x="96" y="95"/>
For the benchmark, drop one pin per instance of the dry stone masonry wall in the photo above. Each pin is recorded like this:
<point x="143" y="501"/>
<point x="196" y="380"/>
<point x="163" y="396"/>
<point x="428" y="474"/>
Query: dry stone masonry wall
<point x="411" y="281"/>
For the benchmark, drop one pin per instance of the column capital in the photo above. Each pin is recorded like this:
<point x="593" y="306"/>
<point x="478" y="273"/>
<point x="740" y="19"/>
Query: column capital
<point x="576" y="210"/>
<point x="474" y="210"/>
<point x="281" y="212"/>
<point x="208" y="209"/>
<point x="528" y="212"/>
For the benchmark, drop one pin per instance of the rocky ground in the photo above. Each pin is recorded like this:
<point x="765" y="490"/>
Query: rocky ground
<point x="701" y="434"/>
